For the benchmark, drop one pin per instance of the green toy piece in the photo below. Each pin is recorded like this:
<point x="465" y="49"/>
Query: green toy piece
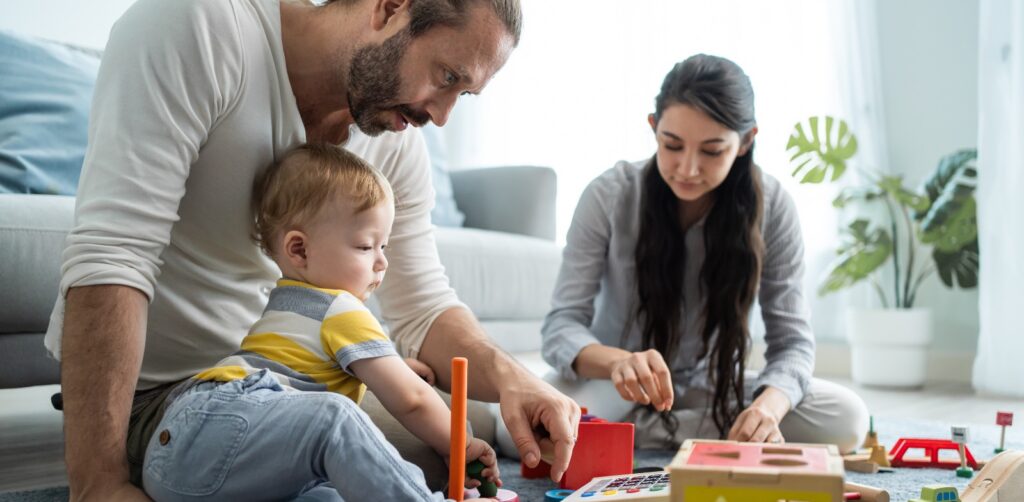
<point x="475" y="470"/>
<point x="938" y="493"/>
<point x="964" y="472"/>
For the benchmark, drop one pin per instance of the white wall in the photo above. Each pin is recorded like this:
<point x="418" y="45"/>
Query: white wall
<point x="79" y="22"/>
<point x="929" y="79"/>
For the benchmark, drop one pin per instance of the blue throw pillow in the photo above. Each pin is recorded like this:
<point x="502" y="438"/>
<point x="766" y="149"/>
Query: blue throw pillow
<point x="45" y="92"/>
<point x="445" y="213"/>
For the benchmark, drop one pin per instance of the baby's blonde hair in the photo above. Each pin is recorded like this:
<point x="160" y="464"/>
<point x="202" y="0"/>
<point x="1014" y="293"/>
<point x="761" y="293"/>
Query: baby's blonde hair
<point x="293" y="191"/>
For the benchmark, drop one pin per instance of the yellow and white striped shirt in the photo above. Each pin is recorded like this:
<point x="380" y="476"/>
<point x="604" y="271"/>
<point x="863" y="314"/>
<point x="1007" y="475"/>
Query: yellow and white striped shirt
<point x="308" y="337"/>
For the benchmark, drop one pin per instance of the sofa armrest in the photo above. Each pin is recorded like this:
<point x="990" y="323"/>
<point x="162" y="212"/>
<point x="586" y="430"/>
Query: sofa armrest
<point x="514" y="199"/>
<point x="32" y="233"/>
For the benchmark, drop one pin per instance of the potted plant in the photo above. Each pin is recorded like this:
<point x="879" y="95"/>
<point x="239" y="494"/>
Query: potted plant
<point x="889" y="344"/>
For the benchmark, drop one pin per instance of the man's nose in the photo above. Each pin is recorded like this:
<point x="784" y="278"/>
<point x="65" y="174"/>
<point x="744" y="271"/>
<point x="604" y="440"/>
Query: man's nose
<point x="441" y="107"/>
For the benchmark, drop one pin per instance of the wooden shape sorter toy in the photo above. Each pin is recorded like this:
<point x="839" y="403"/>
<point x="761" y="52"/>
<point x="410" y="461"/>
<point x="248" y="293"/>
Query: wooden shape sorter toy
<point x="727" y="471"/>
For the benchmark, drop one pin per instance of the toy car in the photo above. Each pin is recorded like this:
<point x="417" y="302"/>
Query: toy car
<point x="938" y="493"/>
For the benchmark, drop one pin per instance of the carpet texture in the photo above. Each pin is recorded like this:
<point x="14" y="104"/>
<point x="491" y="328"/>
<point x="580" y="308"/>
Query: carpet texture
<point x="902" y="484"/>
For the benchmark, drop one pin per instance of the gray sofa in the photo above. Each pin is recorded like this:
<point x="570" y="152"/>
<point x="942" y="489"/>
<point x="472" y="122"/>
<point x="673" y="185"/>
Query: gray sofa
<point x="503" y="263"/>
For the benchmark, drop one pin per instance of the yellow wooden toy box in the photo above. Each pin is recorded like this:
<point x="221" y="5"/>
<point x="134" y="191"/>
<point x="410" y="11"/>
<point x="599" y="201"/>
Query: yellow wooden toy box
<point x="728" y="471"/>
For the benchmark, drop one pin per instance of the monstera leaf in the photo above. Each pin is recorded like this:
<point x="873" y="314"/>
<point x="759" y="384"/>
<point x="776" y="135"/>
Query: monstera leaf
<point x="823" y="146"/>
<point x="961" y="264"/>
<point x="861" y="254"/>
<point x="950" y="222"/>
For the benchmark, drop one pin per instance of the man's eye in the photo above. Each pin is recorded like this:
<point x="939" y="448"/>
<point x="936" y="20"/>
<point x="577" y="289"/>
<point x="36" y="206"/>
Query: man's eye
<point x="449" y="78"/>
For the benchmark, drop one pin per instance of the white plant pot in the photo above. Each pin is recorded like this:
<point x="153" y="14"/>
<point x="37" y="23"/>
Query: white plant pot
<point x="888" y="346"/>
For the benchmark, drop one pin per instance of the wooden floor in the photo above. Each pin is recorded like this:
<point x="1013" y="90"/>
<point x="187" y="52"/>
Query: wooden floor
<point x="31" y="442"/>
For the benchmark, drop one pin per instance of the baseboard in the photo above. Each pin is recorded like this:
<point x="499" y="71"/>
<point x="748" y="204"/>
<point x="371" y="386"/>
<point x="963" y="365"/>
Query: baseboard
<point x="832" y="360"/>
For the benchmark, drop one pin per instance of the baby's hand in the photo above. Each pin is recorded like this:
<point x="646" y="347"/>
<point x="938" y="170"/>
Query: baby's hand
<point x="478" y="449"/>
<point x="421" y="369"/>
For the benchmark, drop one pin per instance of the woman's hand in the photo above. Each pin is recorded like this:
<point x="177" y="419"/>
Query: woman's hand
<point x="643" y="377"/>
<point x="759" y="423"/>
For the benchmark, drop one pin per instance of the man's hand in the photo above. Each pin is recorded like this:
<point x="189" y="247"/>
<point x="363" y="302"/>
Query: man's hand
<point x="759" y="423"/>
<point x="643" y="377"/>
<point x="539" y="418"/>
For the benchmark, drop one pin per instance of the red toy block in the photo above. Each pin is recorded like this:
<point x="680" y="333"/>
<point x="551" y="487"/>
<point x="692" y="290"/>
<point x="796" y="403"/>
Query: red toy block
<point x="543" y="470"/>
<point x="931" y="448"/>
<point x="602" y="449"/>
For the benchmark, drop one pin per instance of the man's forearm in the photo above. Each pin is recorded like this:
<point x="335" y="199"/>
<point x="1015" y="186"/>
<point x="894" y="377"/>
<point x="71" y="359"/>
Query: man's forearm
<point x="456" y="332"/>
<point x="102" y="345"/>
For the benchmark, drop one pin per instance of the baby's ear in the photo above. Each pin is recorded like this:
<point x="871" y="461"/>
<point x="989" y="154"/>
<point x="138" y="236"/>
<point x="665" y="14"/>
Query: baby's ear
<point x="295" y="242"/>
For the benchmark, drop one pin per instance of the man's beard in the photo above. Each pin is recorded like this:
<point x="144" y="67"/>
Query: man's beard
<point x="374" y="83"/>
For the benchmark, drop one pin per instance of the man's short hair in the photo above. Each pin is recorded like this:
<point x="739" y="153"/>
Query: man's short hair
<point x="427" y="14"/>
<point x="292" y="192"/>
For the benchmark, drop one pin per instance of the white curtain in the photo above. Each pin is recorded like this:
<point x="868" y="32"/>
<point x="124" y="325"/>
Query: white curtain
<point x="1000" y="195"/>
<point x="576" y="93"/>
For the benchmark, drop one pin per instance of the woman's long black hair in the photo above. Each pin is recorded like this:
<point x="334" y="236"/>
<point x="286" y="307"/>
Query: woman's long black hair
<point x="732" y="236"/>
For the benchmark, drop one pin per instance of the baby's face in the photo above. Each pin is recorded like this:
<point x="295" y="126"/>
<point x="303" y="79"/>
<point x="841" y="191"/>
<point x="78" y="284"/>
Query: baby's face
<point x="345" y="250"/>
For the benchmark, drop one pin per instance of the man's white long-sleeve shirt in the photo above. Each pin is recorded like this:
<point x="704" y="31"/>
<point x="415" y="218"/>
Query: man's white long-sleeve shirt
<point x="192" y="102"/>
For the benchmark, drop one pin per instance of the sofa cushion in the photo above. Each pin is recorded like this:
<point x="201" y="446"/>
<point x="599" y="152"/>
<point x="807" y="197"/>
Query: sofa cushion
<point x="514" y="337"/>
<point x="445" y="213"/>
<point x="500" y="276"/>
<point x="32" y="231"/>
<point x="44" y="113"/>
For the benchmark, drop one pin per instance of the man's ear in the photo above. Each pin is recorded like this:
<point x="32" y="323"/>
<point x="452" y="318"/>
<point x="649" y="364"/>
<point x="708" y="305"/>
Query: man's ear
<point x="748" y="141"/>
<point x="295" y="242"/>
<point x="387" y="12"/>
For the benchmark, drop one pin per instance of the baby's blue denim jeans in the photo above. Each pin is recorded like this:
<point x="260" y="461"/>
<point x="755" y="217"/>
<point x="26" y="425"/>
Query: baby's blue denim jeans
<point x="251" y="439"/>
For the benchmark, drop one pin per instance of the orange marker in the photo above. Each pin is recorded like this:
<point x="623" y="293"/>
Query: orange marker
<point x="457" y="453"/>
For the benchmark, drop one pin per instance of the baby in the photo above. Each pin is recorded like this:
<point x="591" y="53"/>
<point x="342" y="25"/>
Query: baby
<point x="279" y="419"/>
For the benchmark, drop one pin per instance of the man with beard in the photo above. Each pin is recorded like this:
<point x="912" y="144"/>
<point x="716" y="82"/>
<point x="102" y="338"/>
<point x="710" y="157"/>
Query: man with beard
<point x="194" y="99"/>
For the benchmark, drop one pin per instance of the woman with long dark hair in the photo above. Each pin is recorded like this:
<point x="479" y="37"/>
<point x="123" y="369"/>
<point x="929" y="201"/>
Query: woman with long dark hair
<point x="663" y="263"/>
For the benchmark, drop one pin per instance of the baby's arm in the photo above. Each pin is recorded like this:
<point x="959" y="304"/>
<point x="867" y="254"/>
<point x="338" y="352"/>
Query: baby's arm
<point x="408" y="398"/>
<point x="418" y="407"/>
<point x="421" y="369"/>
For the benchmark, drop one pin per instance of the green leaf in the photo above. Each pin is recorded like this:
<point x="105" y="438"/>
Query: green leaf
<point x="950" y="222"/>
<point x="862" y="253"/>
<point x="961" y="264"/>
<point x="852" y="194"/>
<point x="959" y="225"/>
<point x="959" y="169"/>
<point x="820" y="147"/>
<point x="893" y="185"/>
